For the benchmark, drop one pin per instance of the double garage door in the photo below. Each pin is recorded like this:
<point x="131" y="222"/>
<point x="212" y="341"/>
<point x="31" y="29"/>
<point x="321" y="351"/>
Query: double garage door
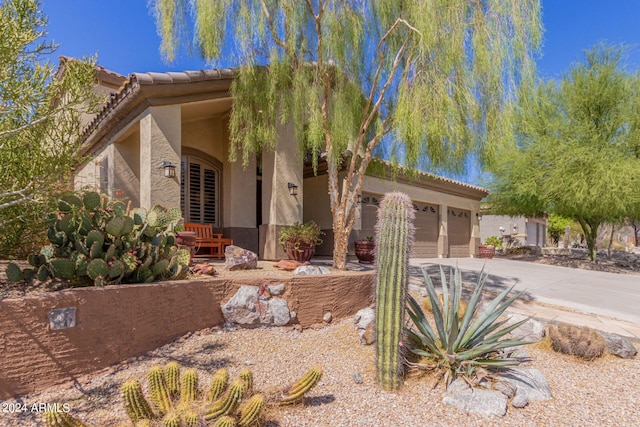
<point x="425" y="243"/>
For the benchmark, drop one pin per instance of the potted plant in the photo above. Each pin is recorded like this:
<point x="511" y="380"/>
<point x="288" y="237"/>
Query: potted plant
<point x="299" y="241"/>
<point x="365" y="250"/>
<point x="185" y="239"/>
<point x="488" y="249"/>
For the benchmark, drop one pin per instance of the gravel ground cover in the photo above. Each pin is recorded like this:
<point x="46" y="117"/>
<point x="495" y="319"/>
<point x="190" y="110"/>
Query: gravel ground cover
<point x="599" y="393"/>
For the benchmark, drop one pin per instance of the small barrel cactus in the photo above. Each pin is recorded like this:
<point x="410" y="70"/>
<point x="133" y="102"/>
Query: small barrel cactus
<point x="296" y="392"/>
<point x="172" y="377"/>
<point x="61" y="419"/>
<point x="171" y="420"/>
<point x="247" y="376"/>
<point x="192" y="419"/>
<point x="394" y="237"/>
<point x="159" y="391"/>
<point x="225" y="421"/>
<point x="189" y="389"/>
<point x="228" y="403"/>
<point x="250" y="411"/>
<point x="135" y="404"/>
<point x="218" y="384"/>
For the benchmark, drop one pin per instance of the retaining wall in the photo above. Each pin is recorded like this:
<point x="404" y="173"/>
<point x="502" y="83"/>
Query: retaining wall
<point x="117" y="322"/>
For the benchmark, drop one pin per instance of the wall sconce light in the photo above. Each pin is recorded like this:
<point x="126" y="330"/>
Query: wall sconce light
<point x="359" y="199"/>
<point x="169" y="169"/>
<point x="293" y="189"/>
<point x="478" y="216"/>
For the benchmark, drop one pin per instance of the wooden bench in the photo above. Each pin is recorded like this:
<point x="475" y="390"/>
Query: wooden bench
<point x="206" y="238"/>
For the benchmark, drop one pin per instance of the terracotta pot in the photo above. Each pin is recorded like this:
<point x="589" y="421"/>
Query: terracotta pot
<point x="365" y="251"/>
<point x="486" y="251"/>
<point x="187" y="239"/>
<point x="302" y="254"/>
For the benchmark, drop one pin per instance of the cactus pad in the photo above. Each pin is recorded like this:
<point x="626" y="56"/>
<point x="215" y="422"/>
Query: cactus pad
<point x="116" y="269"/>
<point x="14" y="273"/>
<point x="69" y="202"/>
<point x="43" y="273"/>
<point x="62" y="268"/>
<point x="97" y="267"/>
<point x="91" y="200"/>
<point x="139" y="216"/>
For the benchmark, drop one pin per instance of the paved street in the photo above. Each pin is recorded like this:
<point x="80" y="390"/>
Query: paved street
<point x="602" y="295"/>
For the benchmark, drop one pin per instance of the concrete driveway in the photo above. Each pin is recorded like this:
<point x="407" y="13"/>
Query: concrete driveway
<point x="590" y="292"/>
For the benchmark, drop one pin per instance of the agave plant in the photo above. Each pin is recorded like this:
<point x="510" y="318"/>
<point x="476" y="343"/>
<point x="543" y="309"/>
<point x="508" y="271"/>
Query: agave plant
<point x="467" y="345"/>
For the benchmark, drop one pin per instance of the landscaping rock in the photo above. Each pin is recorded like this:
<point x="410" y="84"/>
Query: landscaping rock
<point x="280" y="311"/>
<point x="364" y="317"/>
<point x="368" y="335"/>
<point x="247" y="308"/>
<point x="619" y="346"/>
<point x="364" y="321"/>
<point x="237" y="258"/>
<point x="288" y="264"/>
<point x="530" y="385"/>
<point x="327" y="317"/>
<point x="531" y="330"/>
<point x="276" y="289"/>
<point x="242" y="307"/>
<point x="310" y="270"/>
<point x="475" y="400"/>
<point x="357" y="378"/>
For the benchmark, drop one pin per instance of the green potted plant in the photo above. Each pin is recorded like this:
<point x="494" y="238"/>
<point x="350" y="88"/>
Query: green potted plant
<point x="299" y="241"/>
<point x="365" y="250"/>
<point x="488" y="249"/>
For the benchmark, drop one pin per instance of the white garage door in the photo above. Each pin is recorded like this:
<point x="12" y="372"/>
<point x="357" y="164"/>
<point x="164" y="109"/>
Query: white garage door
<point x="459" y="231"/>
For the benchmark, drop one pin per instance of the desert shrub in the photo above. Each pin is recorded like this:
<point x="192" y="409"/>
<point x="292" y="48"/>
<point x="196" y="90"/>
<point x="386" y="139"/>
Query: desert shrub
<point x="582" y="342"/>
<point x="493" y="241"/>
<point x="467" y="346"/>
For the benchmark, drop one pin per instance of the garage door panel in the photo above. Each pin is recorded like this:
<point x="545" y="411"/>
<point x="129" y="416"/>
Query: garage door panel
<point x="459" y="232"/>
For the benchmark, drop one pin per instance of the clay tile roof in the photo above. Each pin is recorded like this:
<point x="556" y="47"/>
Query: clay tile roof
<point x="132" y="84"/>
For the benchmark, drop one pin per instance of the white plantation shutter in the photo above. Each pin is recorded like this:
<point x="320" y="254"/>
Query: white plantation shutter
<point x="199" y="191"/>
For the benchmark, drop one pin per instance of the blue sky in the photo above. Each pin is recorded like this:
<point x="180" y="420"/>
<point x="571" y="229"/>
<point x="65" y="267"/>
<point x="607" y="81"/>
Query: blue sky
<point x="123" y="34"/>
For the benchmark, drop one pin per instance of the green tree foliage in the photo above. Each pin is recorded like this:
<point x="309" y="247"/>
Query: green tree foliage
<point x="576" y="153"/>
<point x="40" y="111"/>
<point x="433" y="76"/>
<point x="556" y="227"/>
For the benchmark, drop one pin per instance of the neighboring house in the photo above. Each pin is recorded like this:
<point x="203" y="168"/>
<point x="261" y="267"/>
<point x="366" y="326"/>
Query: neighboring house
<point x="158" y="121"/>
<point x="528" y="231"/>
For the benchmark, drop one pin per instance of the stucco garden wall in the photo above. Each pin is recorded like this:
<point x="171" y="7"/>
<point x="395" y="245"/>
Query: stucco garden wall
<point x="118" y="322"/>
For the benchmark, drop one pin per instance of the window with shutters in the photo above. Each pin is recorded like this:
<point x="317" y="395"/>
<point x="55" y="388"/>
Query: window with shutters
<point x="199" y="191"/>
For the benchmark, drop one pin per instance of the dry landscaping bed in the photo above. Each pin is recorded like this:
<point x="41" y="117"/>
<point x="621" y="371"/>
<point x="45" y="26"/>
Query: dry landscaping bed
<point x="599" y="393"/>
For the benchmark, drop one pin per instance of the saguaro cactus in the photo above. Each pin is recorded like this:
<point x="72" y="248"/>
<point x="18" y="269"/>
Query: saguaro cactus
<point x="394" y="236"/>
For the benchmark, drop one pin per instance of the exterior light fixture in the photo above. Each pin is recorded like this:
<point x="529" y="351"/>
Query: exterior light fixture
<point x="169" y="169"/>
<point x="478" y="216"/>
<point x="293" y="189"/>
<point x="359" y="199"/>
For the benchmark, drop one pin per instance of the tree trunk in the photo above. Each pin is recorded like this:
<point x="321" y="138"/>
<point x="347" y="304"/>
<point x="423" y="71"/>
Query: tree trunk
<point x="613" y="228"/>
<point x="340" y="247"/>
<point x="590" y="229"/>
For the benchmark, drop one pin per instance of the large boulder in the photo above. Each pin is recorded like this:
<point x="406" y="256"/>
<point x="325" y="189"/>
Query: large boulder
<point x="530" y="385"/>
<point x="531" y="330"/>
<point x="619" y="346"/>
<point x="364" y="321"/>
<point x="475" y="400"/>
<point x="237" y="258"/>
<point x="248" y="308"/>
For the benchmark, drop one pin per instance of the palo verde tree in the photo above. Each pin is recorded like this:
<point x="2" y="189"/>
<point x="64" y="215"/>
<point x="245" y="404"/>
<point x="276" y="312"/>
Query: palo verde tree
<point x="433" y="76"/>
<point x="40" y="109"/>
<point x="575" y="154"/>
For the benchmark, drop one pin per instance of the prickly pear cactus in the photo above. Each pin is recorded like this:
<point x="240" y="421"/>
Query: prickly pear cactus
<point x="99" y="241"/>
<point x="393" y="243"/>
<point x="14" y="273"/>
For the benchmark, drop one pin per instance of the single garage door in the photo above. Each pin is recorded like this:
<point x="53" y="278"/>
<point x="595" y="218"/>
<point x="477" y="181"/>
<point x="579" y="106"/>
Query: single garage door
<point x="459" y="231"/>
<point x="425" y="243"/>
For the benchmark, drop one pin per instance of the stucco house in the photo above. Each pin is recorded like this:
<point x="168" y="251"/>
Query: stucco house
<point x="156" y="124"/>
<point x="528" y="231"/>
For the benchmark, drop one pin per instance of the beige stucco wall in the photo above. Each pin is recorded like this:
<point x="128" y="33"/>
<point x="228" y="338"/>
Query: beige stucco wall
<point x="126" y="168"/>
<point x="316" y="201"/>
<point x="160" y="140"/>
<point x="239" y="192"/>
<point x="88" y="174"/>
<point x="208" y="135"/>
